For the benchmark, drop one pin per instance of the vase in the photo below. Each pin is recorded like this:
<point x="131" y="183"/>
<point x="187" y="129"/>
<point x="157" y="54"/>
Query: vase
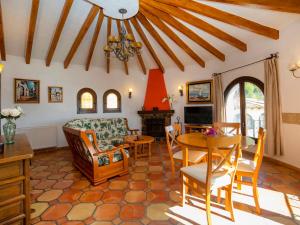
<point x="9" y="130"/>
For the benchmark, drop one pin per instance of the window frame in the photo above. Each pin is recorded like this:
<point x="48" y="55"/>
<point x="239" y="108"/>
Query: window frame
<point x="108" y="110"/>
<point x="241" y="82"/>
<point x="82" y="110"/>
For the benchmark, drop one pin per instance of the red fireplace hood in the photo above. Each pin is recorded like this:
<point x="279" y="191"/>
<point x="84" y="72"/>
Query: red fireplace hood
<point x="156" y="91"/>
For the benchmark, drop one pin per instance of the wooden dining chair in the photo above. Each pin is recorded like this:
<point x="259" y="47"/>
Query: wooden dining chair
<point x="227" y="128"/>
<point x="174" y="149"/>
<point x="250" y="168"/>
<point x="210" y="175"/>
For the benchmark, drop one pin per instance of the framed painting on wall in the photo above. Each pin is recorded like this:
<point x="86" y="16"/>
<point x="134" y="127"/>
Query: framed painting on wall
<point x="55" y="94"/>
<point x="27" y="91"/>
<point x="200" y="92"/>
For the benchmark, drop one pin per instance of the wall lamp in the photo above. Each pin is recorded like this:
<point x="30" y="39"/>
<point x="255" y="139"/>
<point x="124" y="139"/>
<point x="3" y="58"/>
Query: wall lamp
<point x="180" y="89"/>
<point x="129" y="92"/>
<point x="294" y="68"/>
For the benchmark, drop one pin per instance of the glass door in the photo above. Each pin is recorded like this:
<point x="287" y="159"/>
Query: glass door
<point x="245" y="104"/>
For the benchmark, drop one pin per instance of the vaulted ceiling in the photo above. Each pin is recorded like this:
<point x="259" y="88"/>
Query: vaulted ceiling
<point x="180" y="31"/>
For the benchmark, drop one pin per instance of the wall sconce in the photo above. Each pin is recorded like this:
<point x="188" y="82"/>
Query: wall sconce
<point x="180" y="89"/>
<point x="129" y="92"/>
<point x="294" y="68"/>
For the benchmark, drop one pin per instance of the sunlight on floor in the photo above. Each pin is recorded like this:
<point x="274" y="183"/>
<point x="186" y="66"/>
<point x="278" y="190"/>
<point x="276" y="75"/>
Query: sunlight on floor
<point x="279" y="208"/>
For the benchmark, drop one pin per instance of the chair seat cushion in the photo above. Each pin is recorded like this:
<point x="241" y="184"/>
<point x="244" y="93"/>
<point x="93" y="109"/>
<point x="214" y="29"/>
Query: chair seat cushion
<point x="246" y="165"/>
<point x="194" y="156"/>
<point x="199" y="172"/>
<point x="110" y="143"/>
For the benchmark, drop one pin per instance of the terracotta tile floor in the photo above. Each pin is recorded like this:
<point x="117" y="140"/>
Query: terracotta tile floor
<point x="149" y="195"/>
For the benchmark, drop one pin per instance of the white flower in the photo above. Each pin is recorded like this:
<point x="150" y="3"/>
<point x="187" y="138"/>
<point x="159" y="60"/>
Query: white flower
<point x="5" y="112"/>
<point x="20" y="109"/>
<point x="15" y="113"/>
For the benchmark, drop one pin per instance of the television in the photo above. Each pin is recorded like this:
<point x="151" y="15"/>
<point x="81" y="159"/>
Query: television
<point x="198" y="115"/>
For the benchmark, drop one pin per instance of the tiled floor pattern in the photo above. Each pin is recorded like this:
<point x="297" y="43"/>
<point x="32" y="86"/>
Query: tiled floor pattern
<point x="149" y="195"/>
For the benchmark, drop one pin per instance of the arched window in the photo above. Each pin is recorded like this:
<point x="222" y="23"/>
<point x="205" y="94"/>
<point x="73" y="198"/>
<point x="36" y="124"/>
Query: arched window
<point x="111" y="101"/>
<point x="244" y="99"/>
<point x="86" y="101"/>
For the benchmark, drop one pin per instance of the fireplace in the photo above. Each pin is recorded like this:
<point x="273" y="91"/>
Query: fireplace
<point x="154" y="122"/>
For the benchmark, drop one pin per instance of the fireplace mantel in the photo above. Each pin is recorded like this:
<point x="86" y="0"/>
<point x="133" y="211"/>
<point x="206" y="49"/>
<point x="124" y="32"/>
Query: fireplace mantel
<point x="171" y="112"/>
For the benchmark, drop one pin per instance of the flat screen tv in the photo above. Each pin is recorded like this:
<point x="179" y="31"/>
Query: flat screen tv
<point x="200" y="115"/>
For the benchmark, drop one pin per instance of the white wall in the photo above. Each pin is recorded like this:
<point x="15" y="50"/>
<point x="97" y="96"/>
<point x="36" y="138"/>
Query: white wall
<point x="38" y="117"/>
<point x="289" y="52"/>
<point x="45" y="120"/>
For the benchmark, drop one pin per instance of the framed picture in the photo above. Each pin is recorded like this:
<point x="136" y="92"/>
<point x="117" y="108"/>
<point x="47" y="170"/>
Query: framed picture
<point x="55" y="94"/>
<point x="27" y="91"/>
<point x="200" y="92"/>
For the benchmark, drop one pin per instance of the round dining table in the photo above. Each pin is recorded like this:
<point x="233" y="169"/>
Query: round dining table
<point x="197" y="141"/>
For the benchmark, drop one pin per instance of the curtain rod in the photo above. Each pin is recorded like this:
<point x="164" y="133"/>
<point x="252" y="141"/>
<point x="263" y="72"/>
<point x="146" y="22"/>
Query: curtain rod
<point x="273" y="55"/>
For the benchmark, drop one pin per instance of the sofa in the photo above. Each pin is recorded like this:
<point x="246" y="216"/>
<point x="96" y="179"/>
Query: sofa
<point x="98" y="147"/>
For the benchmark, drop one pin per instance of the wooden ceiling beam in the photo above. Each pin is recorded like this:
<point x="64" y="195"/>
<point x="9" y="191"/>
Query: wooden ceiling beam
<point x="60" y="25"/>
<point x="186" y="31"/>
<point x="291" y="6"/>
<point x="223" y="16"/>
<point x="108" y="33"/>
<point x="140" y="58"/>
<point x="164" y="28"/>
<point x="119" y="31"/>
<point x="31" y="30"/>
<point x="2" y="40"/>
<point x="199" y="23"/>
<point x="140" y="31"/>
<point x="94" y="40"/>
<point x="160" y="41"/>
<point x="83" y="30"/>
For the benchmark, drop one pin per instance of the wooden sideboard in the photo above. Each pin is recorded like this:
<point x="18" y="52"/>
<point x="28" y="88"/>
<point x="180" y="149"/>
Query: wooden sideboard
<point x="15" y="182"/>
<point x="190" y="128"/>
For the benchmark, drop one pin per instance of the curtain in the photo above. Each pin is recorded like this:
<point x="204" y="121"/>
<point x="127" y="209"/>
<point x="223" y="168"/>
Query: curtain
<point x="273" y="108"/>
<point x="218" y="98"/>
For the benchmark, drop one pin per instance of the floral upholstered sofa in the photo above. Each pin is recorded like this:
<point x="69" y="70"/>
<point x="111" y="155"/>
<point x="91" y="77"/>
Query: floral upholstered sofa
<point x="98" y="147"/>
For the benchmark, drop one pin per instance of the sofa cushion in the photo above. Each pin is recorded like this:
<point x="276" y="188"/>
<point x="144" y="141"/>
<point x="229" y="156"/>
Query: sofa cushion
<point x="103" y="159"/>
<point x="119" y="127"/>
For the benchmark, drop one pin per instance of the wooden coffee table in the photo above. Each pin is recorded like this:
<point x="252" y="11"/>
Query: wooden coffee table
<point x="140" y="144"/>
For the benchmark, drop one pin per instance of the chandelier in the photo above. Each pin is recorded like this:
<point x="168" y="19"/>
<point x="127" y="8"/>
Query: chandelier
<point x="123" y="45"/>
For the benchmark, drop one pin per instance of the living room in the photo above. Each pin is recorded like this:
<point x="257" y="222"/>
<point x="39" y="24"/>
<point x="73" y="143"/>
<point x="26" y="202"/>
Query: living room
<point x="56" y="49"/>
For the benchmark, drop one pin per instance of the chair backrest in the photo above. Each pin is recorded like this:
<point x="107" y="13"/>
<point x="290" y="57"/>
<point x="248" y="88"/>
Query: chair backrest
<point x="229" y="161"/>
<point x="260" y="148"/>
<point x="227" y="128"/>
<point x="172" y="132"/>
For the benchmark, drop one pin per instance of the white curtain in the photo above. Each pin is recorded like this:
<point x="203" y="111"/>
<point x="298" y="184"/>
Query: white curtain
<point x="273" y="108"/>
<point x="218" y="98"/>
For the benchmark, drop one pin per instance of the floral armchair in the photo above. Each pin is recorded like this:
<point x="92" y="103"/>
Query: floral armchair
<point x="97" y="147"/>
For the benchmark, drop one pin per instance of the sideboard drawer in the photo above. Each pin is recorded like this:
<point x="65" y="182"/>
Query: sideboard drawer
<point x="10" y="191"/>
<point x="10" y="211"/>
<point x="10" y="170"/>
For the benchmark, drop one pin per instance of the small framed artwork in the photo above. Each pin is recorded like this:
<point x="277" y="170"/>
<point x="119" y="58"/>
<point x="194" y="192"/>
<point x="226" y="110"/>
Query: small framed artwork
<point x="27" y="91"/>
<point x="55" y="94"/>
<point x="200" y="92"/>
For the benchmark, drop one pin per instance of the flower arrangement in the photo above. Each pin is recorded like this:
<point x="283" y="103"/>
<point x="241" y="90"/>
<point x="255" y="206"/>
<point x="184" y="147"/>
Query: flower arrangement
<point x="9" y="128"/>
<point x="211" y="132"/>
<point x="12" y="113"/>
<point x="170" y="98"/>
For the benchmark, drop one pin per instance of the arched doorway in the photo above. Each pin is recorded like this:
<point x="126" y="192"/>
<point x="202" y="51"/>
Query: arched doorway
<point x="244" y="103"/>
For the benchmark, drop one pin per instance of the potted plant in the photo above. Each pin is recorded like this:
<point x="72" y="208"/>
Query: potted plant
<point x="9" y="128"/>
<point x="171" y="99"/>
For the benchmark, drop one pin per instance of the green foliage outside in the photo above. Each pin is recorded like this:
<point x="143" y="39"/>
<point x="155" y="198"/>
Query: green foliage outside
<point x="252" y="91"/>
